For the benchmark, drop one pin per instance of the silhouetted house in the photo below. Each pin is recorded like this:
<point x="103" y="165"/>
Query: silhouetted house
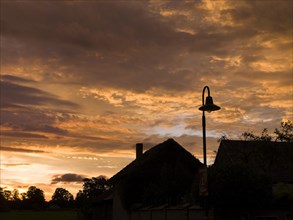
<point x="103" y="206"/>
<point x="155" y="184"/>
<point x="273" y="160"/>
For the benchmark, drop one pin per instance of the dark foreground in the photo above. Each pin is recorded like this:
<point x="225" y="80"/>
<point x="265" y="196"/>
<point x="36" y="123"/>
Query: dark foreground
<point x="37" y="215"/>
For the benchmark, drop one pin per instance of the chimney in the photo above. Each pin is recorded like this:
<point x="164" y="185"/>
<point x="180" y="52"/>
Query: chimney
<point x="139" y="150"/>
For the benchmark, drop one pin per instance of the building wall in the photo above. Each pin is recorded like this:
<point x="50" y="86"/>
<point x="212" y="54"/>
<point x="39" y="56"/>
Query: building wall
<point x="119" y="213"/>
<point x="254" y="215"/>
<point x="177" y="214"/>
<point x="168" y="214"/>
<point x="103" y="211"/>
<point x="145" y="215"/>
<point x="159" y="214"/>
<point x="195" y="214"/>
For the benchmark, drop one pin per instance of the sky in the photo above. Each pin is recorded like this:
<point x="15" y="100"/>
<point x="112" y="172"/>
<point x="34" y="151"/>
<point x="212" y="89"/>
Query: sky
<point x="83" y="81"/>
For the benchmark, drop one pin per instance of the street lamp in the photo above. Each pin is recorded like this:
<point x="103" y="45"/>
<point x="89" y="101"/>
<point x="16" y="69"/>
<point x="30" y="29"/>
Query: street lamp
<point x="208" y="106"/>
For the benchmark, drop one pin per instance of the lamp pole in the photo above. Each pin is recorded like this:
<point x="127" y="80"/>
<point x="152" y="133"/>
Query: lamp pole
<point x="208" y="106"/>
<point x="204" y="139"/>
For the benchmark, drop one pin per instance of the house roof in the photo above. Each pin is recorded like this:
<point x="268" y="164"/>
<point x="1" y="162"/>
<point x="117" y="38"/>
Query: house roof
<point x="168" y="152"/>
<point x="273" y="158"/>
<point x="165" y="171"/>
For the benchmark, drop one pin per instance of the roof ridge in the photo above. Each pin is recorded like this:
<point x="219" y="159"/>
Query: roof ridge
<point x="164" y="148"/>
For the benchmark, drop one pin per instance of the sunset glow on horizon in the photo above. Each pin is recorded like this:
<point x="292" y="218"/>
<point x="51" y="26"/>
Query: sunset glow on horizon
<point x="83" y="81"/>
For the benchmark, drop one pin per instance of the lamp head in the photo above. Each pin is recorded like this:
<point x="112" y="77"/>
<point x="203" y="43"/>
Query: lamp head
<point x="209" y="105"/>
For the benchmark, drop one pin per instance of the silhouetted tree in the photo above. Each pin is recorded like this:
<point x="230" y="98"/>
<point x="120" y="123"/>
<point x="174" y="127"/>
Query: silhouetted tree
<point x="94" y="186"/>
<point x="63" y="198"/>
<point x="80" y="199"/>
<point x="35" y="197"/>
<point x="15" y="195"/>
<point x="91" y="189"/>
<point x="222" y="138"/>
<point x="10" y="199"/>
<point x="23" y="196"/>
<point x="284" y="134"/>
<point x="16" y="201"/>
<point x="249" y="136"/>
<point x="3" y="201"/>
<point x="1" y="194"/>
<point x="8" y="195"/>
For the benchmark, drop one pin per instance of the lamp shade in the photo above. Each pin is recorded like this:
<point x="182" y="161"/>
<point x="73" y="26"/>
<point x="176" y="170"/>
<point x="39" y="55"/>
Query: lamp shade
<point x="209" y="105"/>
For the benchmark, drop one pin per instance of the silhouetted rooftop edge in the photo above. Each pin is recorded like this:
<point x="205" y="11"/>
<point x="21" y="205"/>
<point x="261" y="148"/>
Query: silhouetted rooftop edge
<point x="168" y="148"/>
<point x="273" y="158"/>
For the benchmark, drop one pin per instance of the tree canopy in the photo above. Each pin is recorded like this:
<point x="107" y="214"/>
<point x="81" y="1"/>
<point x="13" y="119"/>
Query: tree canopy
<point x="35" y="197"/>
<point x="92" y="188"/>
<point x="283" y="134"/>
<point x="62" y="197"/>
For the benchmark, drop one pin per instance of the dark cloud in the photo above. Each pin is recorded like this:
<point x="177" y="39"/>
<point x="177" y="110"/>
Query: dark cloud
<point x="90" y="25"/>
<point x="11" y="78"/>
<point x="21" y="150"/>
<point x="20" y="95"/>
<point x="272" y="16"/>
<point x="87" y="137"/>
<point x="67" y="178"/>
<point x="26" y="108"/>
<point x="34" y="120"/>
<point x="22" y="134"/>
<point x="132" y="46"/>
<point x="100" y="43"/>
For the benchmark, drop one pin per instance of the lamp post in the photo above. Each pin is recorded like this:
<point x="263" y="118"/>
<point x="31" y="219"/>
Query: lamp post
<point x="208" y="106"/>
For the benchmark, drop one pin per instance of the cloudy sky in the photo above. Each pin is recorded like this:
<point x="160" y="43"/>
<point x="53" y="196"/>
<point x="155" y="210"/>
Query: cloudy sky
<point x="83" y="81"/>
